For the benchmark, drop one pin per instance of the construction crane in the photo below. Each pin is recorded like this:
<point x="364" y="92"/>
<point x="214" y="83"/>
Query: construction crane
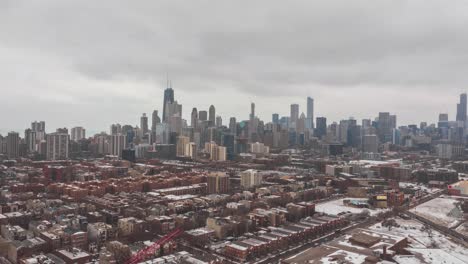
<point x="150" y="250"/>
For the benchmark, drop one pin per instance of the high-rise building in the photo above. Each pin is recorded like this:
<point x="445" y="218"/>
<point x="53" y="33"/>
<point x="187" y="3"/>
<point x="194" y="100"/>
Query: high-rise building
<point x="275" y="118"/>
<point x="30" y="140"/>
<point x="218" y="182"/>
<point x="461" y="108"/>
<point x="370" y="144"/>
<point x="115" y="129"/>
<point x="144" y="124"/>
<point x="250" y="178"/>
<point x="212" y="115"/>
<point x="252" y="111"/>
<point x="181" y="144"/>
<point x="203" y="115"/>
<point x="155" y="119"/>
<point x="12" y="146"/>
<point x="117" y="143"/>
<point x="38" y="126"/>
<point x="78" y="133"/>
<point x="385" y="125"/>
<point x="294" y="115"/>
<point x="443" y="121"/>
<point x="194" y="119"/>
<point x="233" y="125"/>
<point x="219" y="121"/>
<point x="168" y="98"/>
<point x="321" y="129"/>
<point x="310" y="113"/>
<point x="57" y="146"/>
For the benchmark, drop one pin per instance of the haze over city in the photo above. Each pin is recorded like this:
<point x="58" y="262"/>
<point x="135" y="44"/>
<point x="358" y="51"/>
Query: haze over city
<point x="107" y="61"/>
<point x="226" y="132"/>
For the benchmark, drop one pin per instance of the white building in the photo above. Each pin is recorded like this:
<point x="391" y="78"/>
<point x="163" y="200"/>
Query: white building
<point x="250" y="178"/>
<point x="57" y="146"/>
<point x="78" y="133"/>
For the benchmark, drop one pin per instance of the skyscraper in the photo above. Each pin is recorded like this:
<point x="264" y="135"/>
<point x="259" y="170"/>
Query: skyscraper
<point x="30" y="139"/>
<point x="194" y="119"/>
<point x="212" y="115"/>
<point x="144" y="124"/>
<point x="321" y="129"/>
<point x="168" y="98"/>
<point x="117" y="143"/>
<point x="12" y="146"/>
<point x="310" y="113"/>
<point x="155" y="119"/>
<point x="233" y="125"/>
<point x="57" y="146"/>
<point x="203" y="115"/>
<point x="275" y="118"/>
<point x="385" y="125"/>
<point x="461" y="108"/>
<point x="38" y="126"/>
<point x="78" y="133"/>
<point x="219" y="121"/>
<point x="370" y="144"/>
<point x="294" y="115"/>
<point x="252" y="111"/>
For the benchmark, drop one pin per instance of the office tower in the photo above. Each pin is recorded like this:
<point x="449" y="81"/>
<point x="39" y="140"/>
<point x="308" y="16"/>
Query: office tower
<point x="275" y="118"/>
<point x="117" y="143"/>
<point x="115" y="129"/>
<point x="370" y="144"/>
<point x="194" y="119"/>
<point x="218" y="182"/>
<point x="219" y="121"/>
<point x="191" y="150"/>
<point x="203" y="115"/>
<point x="57" y="146"/>
<point x="173" y="109"/>
<point x="144" y="124"/>
<point x="12" y="146"/>
<point x="212" y="115"/>
<point x="321" y="130"/>
<point x="30" y="140"/>
<point x="180" y="146"/>
<point x="294" y="116"/>
<point x="443" y="121"/>
<point x="217" y="153"/>
<point x="233" y="125"/>
<point x="443" y="117"/>
<point x="310" y="113"/>
<point x="168" y="98"/>
<point x="102" y="142"/>
<point x="250" y="178"/>
<point x="155" y="119"/>
<point x="78" y="133"/>
<point x="385" y="125"/>
<point x="461" y="108"/>
<point x="301" y="123"/>
<point x="252" y="111"/>
<point x="38" y="126"/>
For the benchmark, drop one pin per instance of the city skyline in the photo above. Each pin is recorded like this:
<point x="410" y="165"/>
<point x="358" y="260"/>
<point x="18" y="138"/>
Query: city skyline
<point x="266" y="117"/>
<point x="95" y="75"/>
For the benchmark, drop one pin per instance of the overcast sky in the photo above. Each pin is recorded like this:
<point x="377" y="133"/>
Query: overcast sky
<point x="93" y="63"/>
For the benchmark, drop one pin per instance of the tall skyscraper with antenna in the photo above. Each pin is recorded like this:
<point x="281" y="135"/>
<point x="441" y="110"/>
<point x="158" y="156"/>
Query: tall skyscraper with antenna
<point x="168" y="98"/>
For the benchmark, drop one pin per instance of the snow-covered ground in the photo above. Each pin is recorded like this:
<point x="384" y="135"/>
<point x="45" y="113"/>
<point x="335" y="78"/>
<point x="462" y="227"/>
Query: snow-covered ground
<point x="423" y="241"/>
<point x="336" y="206"/>
<point x="437" y="210"/>
<point x="423" y="188"/>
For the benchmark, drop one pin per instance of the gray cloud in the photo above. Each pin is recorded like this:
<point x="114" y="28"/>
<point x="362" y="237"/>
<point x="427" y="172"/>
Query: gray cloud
<point x="92" y="63"/>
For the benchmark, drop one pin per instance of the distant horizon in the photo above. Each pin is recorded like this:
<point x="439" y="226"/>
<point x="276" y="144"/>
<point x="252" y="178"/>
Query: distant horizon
<point x="186" y="112"/>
